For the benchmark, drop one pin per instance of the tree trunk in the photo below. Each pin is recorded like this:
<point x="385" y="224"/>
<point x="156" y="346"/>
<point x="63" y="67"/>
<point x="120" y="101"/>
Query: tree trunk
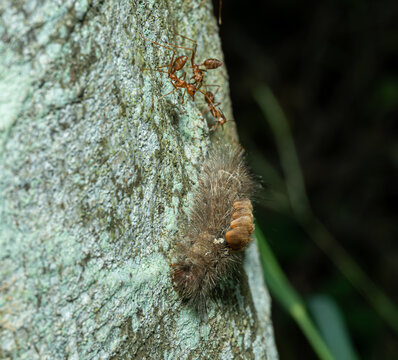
<point x="95" y="182"/>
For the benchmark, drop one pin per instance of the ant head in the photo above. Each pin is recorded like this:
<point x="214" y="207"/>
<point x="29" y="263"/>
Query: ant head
<point x="222" y="120"/>
<point x="191" y="89"/>
<point x="187" y="278"/>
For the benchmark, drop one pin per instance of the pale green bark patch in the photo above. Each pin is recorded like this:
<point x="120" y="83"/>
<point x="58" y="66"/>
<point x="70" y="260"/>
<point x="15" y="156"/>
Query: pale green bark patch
<point x="95" y="185"/>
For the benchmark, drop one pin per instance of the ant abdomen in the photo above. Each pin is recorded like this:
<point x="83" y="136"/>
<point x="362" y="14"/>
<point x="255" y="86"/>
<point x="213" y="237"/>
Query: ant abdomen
<point x="179" y="62"/>
<point x="211" y="64"/>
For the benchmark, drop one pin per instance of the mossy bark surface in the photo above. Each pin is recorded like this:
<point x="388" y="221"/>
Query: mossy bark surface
<point x="95" y="182"/>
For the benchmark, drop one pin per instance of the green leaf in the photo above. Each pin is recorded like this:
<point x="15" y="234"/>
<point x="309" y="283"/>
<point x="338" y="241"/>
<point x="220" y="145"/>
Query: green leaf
<point x="301" y="209"/>
<point x="331" y="325"/>
<point x="282" y="290"/>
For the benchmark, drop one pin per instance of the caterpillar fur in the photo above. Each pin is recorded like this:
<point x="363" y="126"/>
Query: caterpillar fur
<point x="219" y="227"/>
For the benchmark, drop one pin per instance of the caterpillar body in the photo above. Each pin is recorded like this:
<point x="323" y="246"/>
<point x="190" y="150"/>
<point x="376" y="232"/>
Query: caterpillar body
<point x="219" y="228"/>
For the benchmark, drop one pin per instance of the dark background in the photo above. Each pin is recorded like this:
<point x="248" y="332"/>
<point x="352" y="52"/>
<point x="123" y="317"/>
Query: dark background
<point x="333" y="66"/>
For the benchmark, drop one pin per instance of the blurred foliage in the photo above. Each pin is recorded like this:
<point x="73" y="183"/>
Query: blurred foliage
<point x="333" y="67"/>
<point x="288" y="297"/>
<point x="331" y="324"/>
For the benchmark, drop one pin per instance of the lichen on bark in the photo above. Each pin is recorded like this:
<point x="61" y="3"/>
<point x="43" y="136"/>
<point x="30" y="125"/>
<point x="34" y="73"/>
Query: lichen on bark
<point x="94" y="183"/>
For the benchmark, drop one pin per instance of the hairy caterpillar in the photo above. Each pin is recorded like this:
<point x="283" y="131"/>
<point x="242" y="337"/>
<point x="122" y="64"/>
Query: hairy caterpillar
<point x="220" y="226"/>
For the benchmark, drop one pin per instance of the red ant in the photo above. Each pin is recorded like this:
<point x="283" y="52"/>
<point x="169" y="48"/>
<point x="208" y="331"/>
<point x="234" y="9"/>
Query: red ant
<point x="210" y="98"/>
<point x="221" y="120"/>
<point x="209" y="64"/>
<point x="177" y="64"/>
<point x="174" y="66"/>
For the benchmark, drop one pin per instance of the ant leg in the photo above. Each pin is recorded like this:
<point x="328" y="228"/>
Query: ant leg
<point x="185" y="37"/>
<point x="183" y="96"/>
<point x="218" y="87"/>
<point x="193" y="50"/>
<point x="209" y="97"/>
<point x="213" y="128"/>
<point x="166" y="47"/>
<point x="178" y="46"/>
<point x="170" y="92"/>
<point x="159" y="67"/>
<point x="186" y="98"/>
<point x="209" y="107"/>
<point x="154" y="42"/>
<point x="216" y="104"/>
<point x="175" y="64"/>
<point x="166" y="72"/>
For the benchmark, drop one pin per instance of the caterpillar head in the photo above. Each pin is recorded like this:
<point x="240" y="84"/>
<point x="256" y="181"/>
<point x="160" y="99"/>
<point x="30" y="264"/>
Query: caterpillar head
<point x="187" y="279"/>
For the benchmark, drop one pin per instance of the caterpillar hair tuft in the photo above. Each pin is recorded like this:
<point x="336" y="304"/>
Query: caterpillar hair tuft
<point x="219" y="227"/>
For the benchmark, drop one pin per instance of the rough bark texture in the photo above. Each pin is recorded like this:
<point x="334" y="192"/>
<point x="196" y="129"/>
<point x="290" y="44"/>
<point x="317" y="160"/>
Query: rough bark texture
<point x="94" y="184"/>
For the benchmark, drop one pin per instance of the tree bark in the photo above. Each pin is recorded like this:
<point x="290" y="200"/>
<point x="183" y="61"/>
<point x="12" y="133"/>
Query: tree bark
<point x="95" y="182"/>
